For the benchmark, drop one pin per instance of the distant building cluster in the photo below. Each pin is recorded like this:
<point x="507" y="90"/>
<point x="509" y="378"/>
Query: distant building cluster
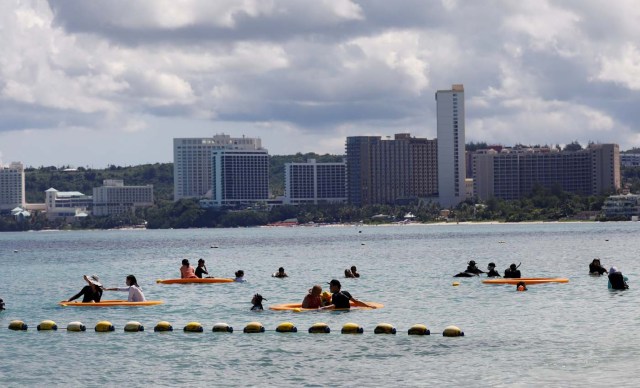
<point x="12" y="186"/>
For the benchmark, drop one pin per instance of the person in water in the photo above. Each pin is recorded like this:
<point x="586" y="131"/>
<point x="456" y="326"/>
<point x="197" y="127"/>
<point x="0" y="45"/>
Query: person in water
<point x="239" y="276"/>
<point x="492" y="271"/>
<point x="354" y="271"/>
<point x="201" y="269"/>
<point x="595" y="268"/>
<point x="616" y="280"/>
<point x="135" y="292"/>
<point x="256" y="301"/>
<point x="1" y="304"/>
<point x="92" y="292"/>
<point x="521" y="286"/>
<point x="280" y="273"/>
<point x="340" y="299"/>
<point x="512" y="272"/>
<point x="473" y="268"/>
<point x="186" y="270"/>
<point x="313" y="299"/>
<point x="348" y="273"/>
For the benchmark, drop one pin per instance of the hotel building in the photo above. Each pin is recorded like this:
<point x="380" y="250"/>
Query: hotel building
<point x="390" y="171"/>
<point x="451" y="145"/>
<point x="12" y="186"/>
<point x="513" y="173"/>
<point x="70" y="205"/>
<point x="115" y="198"/>
<point x="315" y="183"/>
<point x="192" y="166"/>
<point x="239" y="176"/>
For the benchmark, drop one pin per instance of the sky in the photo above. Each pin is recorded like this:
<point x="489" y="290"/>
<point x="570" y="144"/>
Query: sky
<point x="94" y="83"/>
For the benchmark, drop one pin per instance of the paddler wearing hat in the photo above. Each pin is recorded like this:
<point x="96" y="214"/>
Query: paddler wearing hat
<point x="90" y="293"/>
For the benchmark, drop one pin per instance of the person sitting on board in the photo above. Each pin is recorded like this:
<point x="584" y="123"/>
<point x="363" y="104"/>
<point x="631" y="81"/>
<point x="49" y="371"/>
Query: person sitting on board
<point x="348" y="273"/>
<point x="512" y="272"/>
<point x="492" y="271"/>
<point x="521" y="286"/>
<point x="239" y="276"/>
<point x="135" y="292"/>
<point x="187" y="271"/>
<point x="616" y="280"/>
<point x="340" y="299"/>
<point x="313" y="299"/>
<point x="595" y="268"/>
<point x="280" y="273"/>
<point x="201" y="269"/>
<point x="256" y="301"/>
<point x="354" y="271"/>
<point x="91" y="292"/>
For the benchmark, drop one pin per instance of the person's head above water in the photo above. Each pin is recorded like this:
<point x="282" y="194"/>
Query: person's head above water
<point x="239" y="273"/>
<point x="491" y="265"/>
<point x="613" y="270"/>
<point x="257" y="299"/>
<point x="472" y="263"/>
<point x="513" y="267"/>
<point x="185" y="262"/>
<point x="281" y="270"/>
<point x="353" y="269"/>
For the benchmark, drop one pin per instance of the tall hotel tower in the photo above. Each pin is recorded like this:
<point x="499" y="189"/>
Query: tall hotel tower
<point x="193" y="160"/>
<point x="451" y="145"/>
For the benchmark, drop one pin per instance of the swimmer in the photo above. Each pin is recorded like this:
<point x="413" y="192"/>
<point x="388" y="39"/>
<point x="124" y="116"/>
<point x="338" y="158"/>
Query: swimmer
<point x="348" y="273"/>
<point x="186" y="270"/>
<point x="200" y="269"/>
<point x="256" y="301"/>
<point x="595" y="268"/>
<point x="91" y="292"/>
<point x="280" y="273"/>
<point x="313" y="299"/>
<point x="340" y="299"/>
<point x="1" y="304"/>
<point x="239" y="276"/>
<point x="354" y="271"/>
<point x="512" y="272"/>
<point x="492" y="271"/>
<point x="473" y="268"/>
<point x="135" y="292"/>
<point x="617" y="281"/>
<point x="521" y="286"/>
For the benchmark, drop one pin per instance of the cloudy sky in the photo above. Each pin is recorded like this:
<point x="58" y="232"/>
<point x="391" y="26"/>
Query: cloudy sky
<point x="92" y="83"/>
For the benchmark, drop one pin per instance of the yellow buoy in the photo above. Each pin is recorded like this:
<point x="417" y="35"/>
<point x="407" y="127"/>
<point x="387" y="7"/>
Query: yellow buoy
<point x="254" y="327"/>
<point x="194" y="327"/>
<point x="104" y="326"/>
<point x="133" y="327"/>
<point x="18" y="325"/>
<point x="384" y="328"/>
<point x="352" y="328"/>
<point x="47" y="325"/>
<point x="452" y="331"/>
<point x="319" y="327"/>
<point x="419" y="330"/>
<point x="286" y="327"/>
<point x="222" y="328"/>
<point x="455" y="284"/>
<point x="163" y="326"/>
<point x="76" y="326"/>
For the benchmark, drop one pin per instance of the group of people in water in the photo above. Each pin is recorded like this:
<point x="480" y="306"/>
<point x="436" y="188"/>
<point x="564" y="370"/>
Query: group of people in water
<point x="188" y="272"/>
<point x="92" y="292"/>
<point x="617" y="281"/>
<point x="472" y="270"/>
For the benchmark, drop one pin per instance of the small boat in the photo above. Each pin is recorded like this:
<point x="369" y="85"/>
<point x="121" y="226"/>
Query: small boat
<point x="194" y="280"/>
<point x="527" y="281"/>
<point x="111" y="303"/>
<point x="297" y="307"/>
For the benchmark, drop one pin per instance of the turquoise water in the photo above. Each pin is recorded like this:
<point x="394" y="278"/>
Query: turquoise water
<point x="552" y="335"/>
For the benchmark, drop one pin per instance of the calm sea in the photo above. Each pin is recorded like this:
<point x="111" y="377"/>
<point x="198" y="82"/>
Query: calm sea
<point x="575" y="334"/>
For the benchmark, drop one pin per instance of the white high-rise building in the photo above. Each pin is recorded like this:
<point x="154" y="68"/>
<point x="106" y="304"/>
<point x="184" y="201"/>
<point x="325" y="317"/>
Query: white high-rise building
<point x="239" y="177"/>
<point x="315" y="183"/>
<point x="192" y="172"/>
<point x="114" y="198"/>
<point x="451" y="146"/>
<point x="12" y="186"/>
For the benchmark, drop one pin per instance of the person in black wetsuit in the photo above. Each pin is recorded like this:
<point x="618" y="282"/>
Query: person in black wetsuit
<point x="256" y="301"/>
<point x="340" y="299"/>
<point x="201" y="269"/>
<point x="472" y="270"/>
<point x="616" y="280"/>
<point x="1" y="304"/>
<point x="595" y="268"/>
<point x="90" y="293"/>
<point x="512" y="272"/>
<point x="492" y="271"/>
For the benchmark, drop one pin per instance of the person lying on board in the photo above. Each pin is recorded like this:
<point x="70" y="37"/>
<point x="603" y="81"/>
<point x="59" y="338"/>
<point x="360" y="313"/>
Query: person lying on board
<point x="91" y="292"/>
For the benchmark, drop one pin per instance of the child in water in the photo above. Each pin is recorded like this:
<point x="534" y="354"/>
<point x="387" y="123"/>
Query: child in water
<point x="256" y="301"/>
<point x="521" y="286"/>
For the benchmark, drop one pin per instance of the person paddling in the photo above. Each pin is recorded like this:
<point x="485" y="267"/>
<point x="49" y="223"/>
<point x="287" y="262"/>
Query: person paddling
<point x="512" y="272"/>
<point x="201" y="269"/>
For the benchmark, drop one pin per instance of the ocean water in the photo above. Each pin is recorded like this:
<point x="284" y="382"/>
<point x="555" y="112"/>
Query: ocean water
<point x="573" y="334"/>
